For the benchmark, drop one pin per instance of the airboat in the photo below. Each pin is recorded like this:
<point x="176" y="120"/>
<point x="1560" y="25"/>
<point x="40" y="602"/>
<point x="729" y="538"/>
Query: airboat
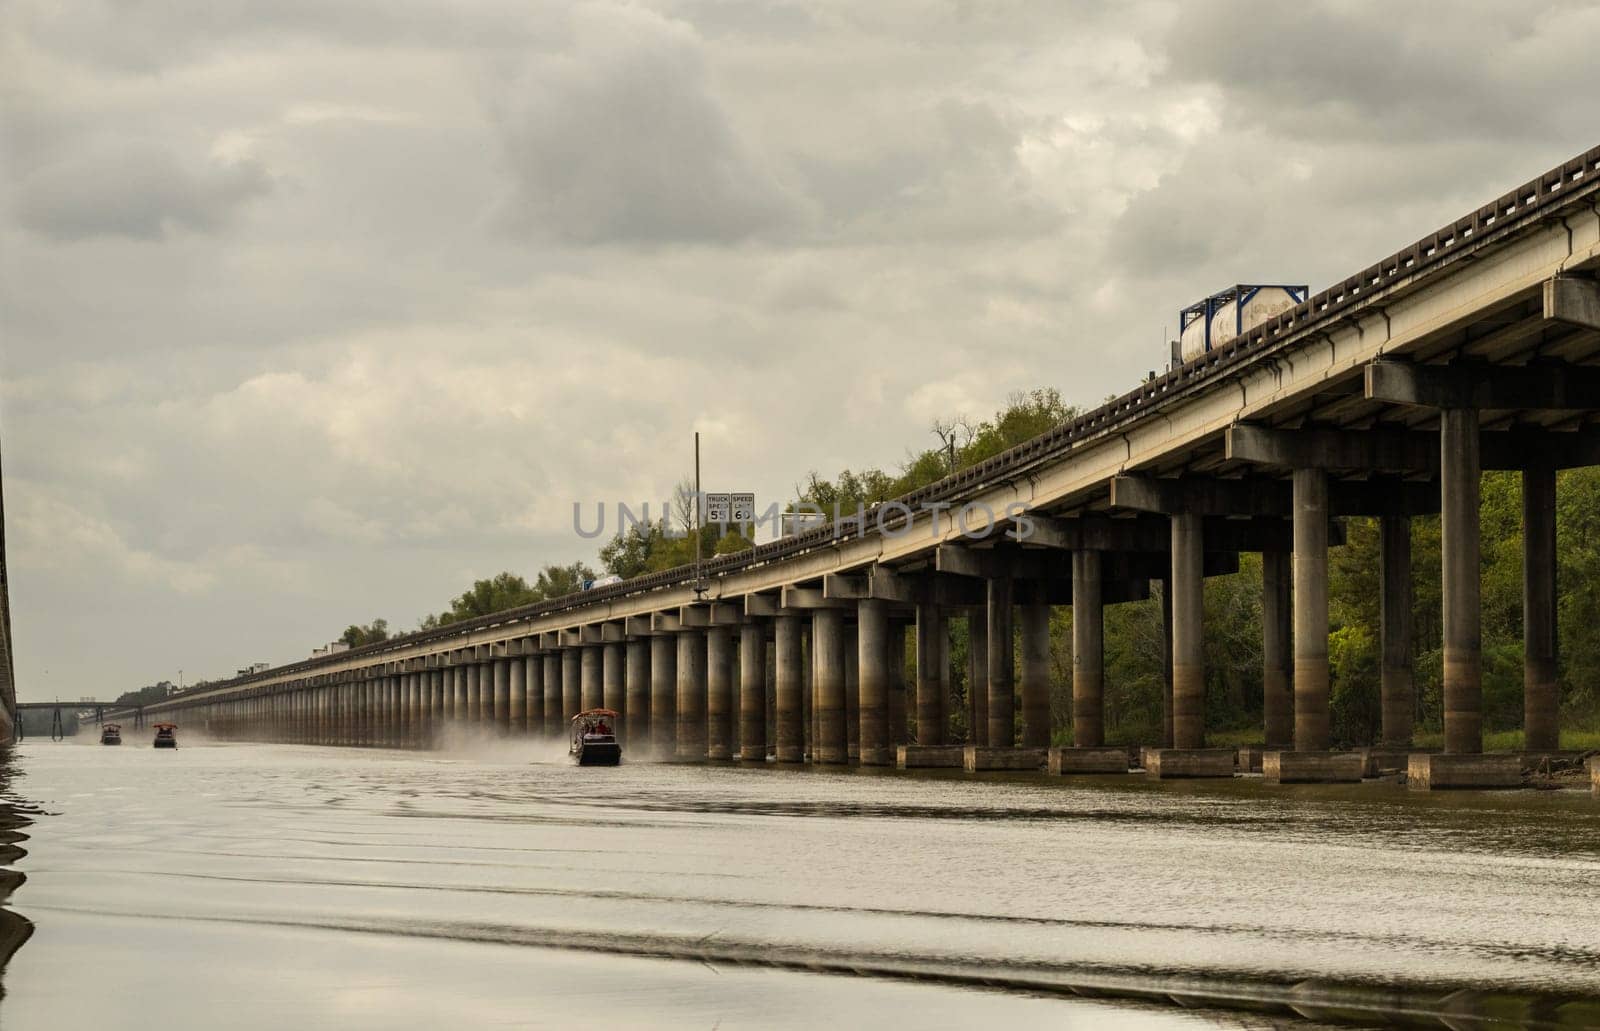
<point x="165" y="736"/>
<point x="594" y="738"/>
<point x="111" y="734"/>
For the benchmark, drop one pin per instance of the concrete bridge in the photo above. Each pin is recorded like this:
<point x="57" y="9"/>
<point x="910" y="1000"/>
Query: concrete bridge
<point x="1384" y="395"/>
<point x="80" y="708"/>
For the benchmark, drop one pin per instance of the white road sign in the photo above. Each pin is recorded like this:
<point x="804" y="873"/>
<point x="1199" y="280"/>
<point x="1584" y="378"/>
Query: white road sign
<point x="730" y="508"/>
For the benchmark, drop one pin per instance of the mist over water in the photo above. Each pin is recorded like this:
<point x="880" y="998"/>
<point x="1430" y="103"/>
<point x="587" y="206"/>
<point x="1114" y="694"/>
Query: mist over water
<point x="492" y="884"/>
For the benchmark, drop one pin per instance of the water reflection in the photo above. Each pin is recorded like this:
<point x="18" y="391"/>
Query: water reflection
<point x="961" y="899"/>
<point x="14" y="928"/>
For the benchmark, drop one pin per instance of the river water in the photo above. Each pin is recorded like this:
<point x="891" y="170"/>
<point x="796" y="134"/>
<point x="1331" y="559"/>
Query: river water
<point x="268" y="886"/>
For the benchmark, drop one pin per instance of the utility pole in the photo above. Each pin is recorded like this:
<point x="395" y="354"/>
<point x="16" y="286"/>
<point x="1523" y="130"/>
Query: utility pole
<point x="699" y="499"/>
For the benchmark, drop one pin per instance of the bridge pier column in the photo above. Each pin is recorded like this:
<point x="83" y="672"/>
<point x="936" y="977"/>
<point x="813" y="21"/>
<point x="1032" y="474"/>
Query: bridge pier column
<point x="931" y="694"/>
<point x="1397" y="700"/>
<point x="827" y="679"/>
<point x="1458" y="527"/>
<point x="593" y="677"/>
<point x="663" y="696"/>
<point x="533" y="705"/>
<point x="1277" y="633"/>
<point x="1540" y="704"/>
<point x="1188" y="644"/>
<point x="614" y="682"/>
<point x="1034" y="675"/>
<point x="487" y="693"/>
<point x="571" y="687"/>
<point x="977" y="676"/>
<point x="719" y="693"/>
<point x="898" y="691"/>
<point x="1088" y="651"/>
<point x="553" y="673"/>
<point x="1312" y="726"/>
<point x="499" y="713"/>
<point x="753" y="693"/>
<point x="872" y="628"/>
<point x="1002" y="666"/>
<point x="516" y="718"/>
<point x="691" y="739"/>
<point x="636" y="728"/>
<point x="790" y="689"/>
<point x="475" y="685"/>
<point x="852" y="690"/>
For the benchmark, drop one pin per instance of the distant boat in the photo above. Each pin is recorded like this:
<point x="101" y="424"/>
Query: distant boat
<point x="594" y="738"/>
<point x="111" y="734"/>
<point x="165" y="738"/>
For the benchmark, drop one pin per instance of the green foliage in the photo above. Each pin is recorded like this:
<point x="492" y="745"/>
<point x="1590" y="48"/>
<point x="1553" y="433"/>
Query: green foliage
<point x="356" y="635"/>
<point x="146" y="695"/>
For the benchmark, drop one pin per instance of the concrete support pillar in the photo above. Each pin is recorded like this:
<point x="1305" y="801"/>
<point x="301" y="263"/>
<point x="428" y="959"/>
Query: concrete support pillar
<point x="554" y="696"/>
<point x="447" y="685"/>
<point x="753" y="693"/>
<point x="614" y="683"/>
<point x="1541" y="727"/>
<point x="827" y="678"/>
<point x="931" y="695"/>
<point x="517" y="701"/>
<point x="571" y="688"/>
<point x="1277" y="620"/>
<point x="1002" y="666"/>
<point x="691" y="743"/>
<point x="533" y="711"/>
<point x="592" y="676"/>
<point x="1034" y="675"/>
<point x="663" y="696"/>
<point x="1459" y="473"/>
<point x="977" y="677"/>
<point x="719" y="693"/>
<point x="1312" y="699"/>
<point x="852" y="691"/>
<point x="872" y="643"/>
<point x="635" y="729"/>
<point x="475" y="685"/>
<point x="790" y="689"/>
<point x="1397" y="696"/>
<point x="897" y="684"/>
<point x="1188" y="605"/>
<point x="1088" y="650"/>
<point x="499" y="706"/>
<point x="808" y="692"/>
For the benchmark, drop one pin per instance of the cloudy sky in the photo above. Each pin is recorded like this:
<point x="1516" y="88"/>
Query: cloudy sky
<point x="312" y="313"/>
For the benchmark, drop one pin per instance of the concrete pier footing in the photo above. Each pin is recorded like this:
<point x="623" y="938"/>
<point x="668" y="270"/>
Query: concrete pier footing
<point x="925" y="757"/>
<point x="1435" y="772"/>
<point x="1284" y="767"/>
<point x="1248" y="758"/>
<point x="1594" y="777"/>
<point x="1068" y="761"/>
<point x="1183" y="763"/>
<point x="975" y="758"/>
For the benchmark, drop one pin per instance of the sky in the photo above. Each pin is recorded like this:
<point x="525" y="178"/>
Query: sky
<point x="313" y="313"/>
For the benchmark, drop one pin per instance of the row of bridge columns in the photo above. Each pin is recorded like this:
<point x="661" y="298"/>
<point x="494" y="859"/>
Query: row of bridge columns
<point x="825" y="668"/>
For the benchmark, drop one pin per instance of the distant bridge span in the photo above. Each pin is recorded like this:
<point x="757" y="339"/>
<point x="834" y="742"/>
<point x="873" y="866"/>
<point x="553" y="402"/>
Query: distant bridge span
<point x="1385" y="395"/>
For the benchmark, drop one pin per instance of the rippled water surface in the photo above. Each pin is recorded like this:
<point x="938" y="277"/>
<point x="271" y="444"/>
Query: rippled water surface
<point x="274" y="886"/>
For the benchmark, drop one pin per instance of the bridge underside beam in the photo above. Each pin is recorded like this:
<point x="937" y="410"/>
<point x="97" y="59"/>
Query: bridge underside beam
<point x="1405" y="451"/>
<point x="1540" y="385"/>
<point x="1262" y="496"/>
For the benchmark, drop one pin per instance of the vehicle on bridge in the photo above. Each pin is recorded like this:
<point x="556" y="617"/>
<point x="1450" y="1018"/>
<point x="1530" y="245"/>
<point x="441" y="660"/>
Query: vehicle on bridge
<point x="594" y="738"/>
<point x="111" y="734"/>
<point x="165" y="736"/>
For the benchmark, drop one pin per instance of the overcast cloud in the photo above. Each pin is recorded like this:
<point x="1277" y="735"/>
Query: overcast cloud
<point x="314" y="313"/>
